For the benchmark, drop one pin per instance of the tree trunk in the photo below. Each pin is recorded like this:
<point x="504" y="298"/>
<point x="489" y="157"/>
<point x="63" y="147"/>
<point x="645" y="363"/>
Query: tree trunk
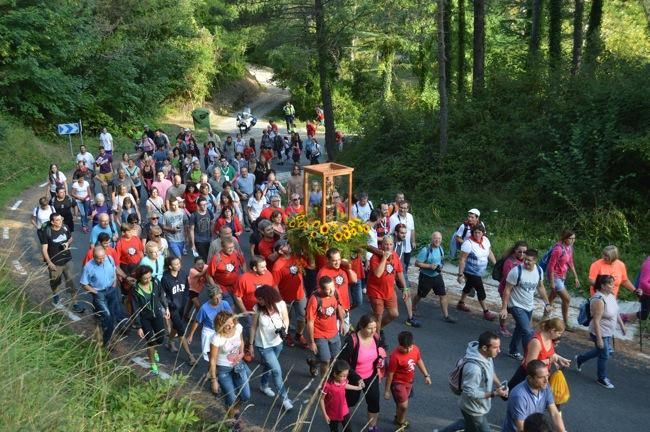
<point x="388" y="59"/>
<point x="442" y="77"/>
<point x="478" y="72"/>
<point x="555" y="33"/>
<point x="460" y="77"/>
<point x="536" y="27"/>
<point x="324" y="77"/>
<point x="594" y="44"/>
<point x="577" y="36"/>
<point x="446" y="25"/>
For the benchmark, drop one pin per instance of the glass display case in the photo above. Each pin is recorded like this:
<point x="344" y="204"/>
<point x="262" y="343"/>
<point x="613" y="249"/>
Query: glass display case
<point x="328" y="191"/>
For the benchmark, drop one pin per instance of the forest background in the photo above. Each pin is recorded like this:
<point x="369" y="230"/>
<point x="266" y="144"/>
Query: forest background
<point x="537" y="112"/>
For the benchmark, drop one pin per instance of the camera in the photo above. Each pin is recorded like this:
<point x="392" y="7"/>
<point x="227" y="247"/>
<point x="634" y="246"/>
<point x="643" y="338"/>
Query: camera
<point x="281" y="332"/>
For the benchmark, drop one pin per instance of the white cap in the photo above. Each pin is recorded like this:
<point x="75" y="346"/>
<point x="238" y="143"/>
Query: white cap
<point x="474" y="211"/>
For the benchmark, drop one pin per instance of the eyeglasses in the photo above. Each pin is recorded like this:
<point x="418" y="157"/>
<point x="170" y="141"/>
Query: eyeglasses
<point x="294" y="199"/>
<point x="154" y="217"/>
<point x="403" y="208"/>
<point x="335" y="196"/>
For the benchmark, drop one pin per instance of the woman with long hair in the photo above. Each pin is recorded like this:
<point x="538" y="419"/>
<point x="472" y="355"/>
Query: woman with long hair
<point x="229" y="219"/>
<point x="55" y="179"/>
<point x="511" y="259"/>
<point x="270" y="326"/>
<point x="559" y="263"/>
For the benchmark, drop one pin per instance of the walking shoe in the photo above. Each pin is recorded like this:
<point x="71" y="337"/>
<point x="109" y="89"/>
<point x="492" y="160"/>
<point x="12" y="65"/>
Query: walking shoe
<point x="286" y="404"/>
<point x="517" y="356"/>
<point x="577" y="363"/>
<point x="449" y="320"/>
<point x="77" y="308"/>
<point x="267" y="391"/>
<point x="605" y="382"/>
<point x="313" y="367"/>
<point x="503" y="331"/>
<point x="401" y="425"/>
<point x="461" y="306"/>
<point x="195" y="253"/>
<point x="288" y="341"/>
<point x="489" y="316"/>
<point x="154" y="369"/>
<point x="56" y="301"/>
<point x="156" y="357"/>
<point x="301" y="341"/>
<point x="412" y="322"/>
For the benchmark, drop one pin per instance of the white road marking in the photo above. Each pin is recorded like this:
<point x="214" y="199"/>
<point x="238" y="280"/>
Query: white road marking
<point x="5" y="233"/>
<point x="44" y="184"/>
<point x="146" y="365"/>
<point x="644" y="355"/>
<point x="16" y="205"/>
<point x="19" y="268"/>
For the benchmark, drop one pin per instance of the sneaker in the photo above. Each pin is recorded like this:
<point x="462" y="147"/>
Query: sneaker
<point x="489" y="316"/>
<point x="154" y="369"/>
<point x="313" y="367"/>
<point x="195" y="253"/>
<point x="301" y="341"/>
<point x="449" y="320"/>
<point x="156" y="357"/>
<point x="605" y="382"/>
<point x="267" y="391"/>
<point x="577" y="363"/>
<point x="288" y="341"/>
<point x="462" y="307"/>
<point x="517" y="356"/>
<point x="77" y="308"/>
<point x="503" y="331"/>
<point x="286" y="404"/>
<point x="412" y="322"/>
<point x="56" y="300"/>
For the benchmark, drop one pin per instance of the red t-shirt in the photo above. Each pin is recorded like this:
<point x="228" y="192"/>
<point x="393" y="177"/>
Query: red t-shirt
<point x="403" y="365"/>
<point x="129" y="251"/>
<point x="324" y="321"/>
<point x="265" y="249"/>
<point x="248" y="152"/>
<point x="190" y="201"/>
<point x="341" y="282"/>
<point x="247" y="284"/>
<point x="383" y="287"/>
<point x="320" y="262"/>
<point x="336" y="405"/>
<point x="109" y="252"/>
<point x="288" y="278"/>
<point x="225" y="269"/>
<point x="291" y="210"/>
<point x="356" y="265"/>
<point x="266" y="213"/>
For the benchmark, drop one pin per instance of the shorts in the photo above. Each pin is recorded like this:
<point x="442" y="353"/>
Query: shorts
<point x="327" y="349"/>
<point x="105" y="177"/>
<point x="428" y="283"/>
<point x="297" y="308"/>
<point x="193" y="294"/>
<point x="378" y="305"/>
<point x="559" y="284"/>
<point x="154" y="330"/>
<point x="401" y="392"/>
<point x="178" y="323"/>
<point x="476" y="282"/>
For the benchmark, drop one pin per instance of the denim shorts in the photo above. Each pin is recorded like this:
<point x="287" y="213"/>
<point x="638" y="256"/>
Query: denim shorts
<point x="327" y="348"/>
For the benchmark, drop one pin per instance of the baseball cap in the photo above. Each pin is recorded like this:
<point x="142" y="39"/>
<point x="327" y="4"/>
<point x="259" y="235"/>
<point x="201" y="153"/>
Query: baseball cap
<point x="474" y="211"/>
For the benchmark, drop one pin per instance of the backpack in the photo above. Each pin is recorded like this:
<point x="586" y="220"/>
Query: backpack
<point x="454" y="245"/>
<point x="38" y="209"/>
<point x="340" y="313"/>
<point x="497" y="271"/>
<point x="584" y="314"/>
<point x="455" y="377"/>
<point x="543" y="263"/>
<point x="539" y="271"/>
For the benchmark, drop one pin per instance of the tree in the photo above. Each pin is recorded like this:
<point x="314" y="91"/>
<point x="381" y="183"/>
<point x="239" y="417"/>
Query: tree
<point x="576" y="50"/>
<point x="594" y="43"/>
<point x="446" y="26"/>
<point x="536" y="27"/>
<point x="555" y="33"/>
<point x="324" y="67"/>
<point x="460" y="77"/>
<point x="478" y="72"/>
<point x="442" y="78"/>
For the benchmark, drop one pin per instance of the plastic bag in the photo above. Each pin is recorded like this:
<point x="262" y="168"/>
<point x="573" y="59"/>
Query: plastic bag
<point x="559" y="387"/>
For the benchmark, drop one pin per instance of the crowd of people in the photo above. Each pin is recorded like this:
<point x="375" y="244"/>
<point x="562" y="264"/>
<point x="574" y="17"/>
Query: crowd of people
<point x="143" y="214"/>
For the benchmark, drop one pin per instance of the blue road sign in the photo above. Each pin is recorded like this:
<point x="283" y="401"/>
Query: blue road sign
<point x="67" y="128"/>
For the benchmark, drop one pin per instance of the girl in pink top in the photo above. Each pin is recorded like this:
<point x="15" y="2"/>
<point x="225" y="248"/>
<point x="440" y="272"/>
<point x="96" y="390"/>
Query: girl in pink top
<point x="559" y="263"/>
<point x="332" y="402"/>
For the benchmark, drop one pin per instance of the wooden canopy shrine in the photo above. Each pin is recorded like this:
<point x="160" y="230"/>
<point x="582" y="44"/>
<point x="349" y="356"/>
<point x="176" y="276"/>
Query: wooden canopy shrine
<point x="327" y="173"/>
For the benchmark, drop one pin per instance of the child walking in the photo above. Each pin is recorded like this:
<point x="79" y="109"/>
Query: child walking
<point x="401" y="374"/>
<point x="332" y="402"/>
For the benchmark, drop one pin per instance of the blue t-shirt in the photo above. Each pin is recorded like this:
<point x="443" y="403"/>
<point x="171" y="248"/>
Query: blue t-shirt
<point x="98" y="229"/>
<point x="430" y="255"/>
<point x="207" y="312"/>
<point x="99" y="276"/>
<point x="522" y="402"/>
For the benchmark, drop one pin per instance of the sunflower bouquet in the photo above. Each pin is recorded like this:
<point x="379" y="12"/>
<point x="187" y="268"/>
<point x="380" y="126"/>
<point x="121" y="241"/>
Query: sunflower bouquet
<point x="311" y="237"/>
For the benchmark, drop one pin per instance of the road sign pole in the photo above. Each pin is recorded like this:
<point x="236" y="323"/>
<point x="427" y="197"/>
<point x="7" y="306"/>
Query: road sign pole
<point x="70" y="141"/>
<point x="81" y="132"/>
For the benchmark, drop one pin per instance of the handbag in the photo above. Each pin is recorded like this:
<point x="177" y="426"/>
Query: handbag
<point x="559" y="387"/>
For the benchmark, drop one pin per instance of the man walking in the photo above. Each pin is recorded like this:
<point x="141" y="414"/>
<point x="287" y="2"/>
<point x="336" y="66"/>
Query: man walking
<point x="479" y="384"/>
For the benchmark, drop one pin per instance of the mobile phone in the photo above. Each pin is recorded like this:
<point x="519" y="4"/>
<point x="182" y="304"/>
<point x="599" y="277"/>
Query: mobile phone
<point x="504" y="384"/>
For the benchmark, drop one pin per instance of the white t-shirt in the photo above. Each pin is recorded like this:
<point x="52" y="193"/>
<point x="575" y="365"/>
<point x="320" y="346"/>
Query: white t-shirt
<point x="106" y="140"/>
<point x="396" y="219"/>
<point x="362" y="212"/>
<point x="477" y="260"/>
<point x="257" y="207"/>
<point x="523" y="294"/>
<point x="229" y="348"/>
<point x="80" y="190"/>
<point x="265" y="335"/>
<point x="119" y="200"/>
<point x="56" y="180"/>
<point x="42" y="215"/>
<point x="372" y="241"/>
<point x="88" y="158"/>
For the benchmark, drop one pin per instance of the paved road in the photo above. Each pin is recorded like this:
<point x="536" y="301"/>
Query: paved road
<point x="591" y="407"/>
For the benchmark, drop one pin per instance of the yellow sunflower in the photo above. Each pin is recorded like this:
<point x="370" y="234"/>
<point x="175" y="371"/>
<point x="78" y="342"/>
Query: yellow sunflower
<point x="347" y="235"/>
<point x="313" y="234"/>
<point x="324" y="229"/>
<point x="315" y="224"/>
<point x="300" y="217"/>
<point x="338" y="236"/>
<point x="302" y="225"/>
<point x="292" y="224"/>
<point x="354" y="231"/>
<point x="365" y="228"/>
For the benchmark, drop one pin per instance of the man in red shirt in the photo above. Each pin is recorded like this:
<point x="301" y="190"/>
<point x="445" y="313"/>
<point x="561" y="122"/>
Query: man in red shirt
<point x="104" y="240"/>
<point x="342" y="275"/>
<point x="383" y="272"/>
<point x="267" y="241"/>
<point x="245" y="287"/>
<point x="225" y="267"/>
<point x="323" y="323"/>
<point x="287" y="274"/>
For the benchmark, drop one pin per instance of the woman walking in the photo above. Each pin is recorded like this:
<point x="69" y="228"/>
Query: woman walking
<point x="559" y="263"/>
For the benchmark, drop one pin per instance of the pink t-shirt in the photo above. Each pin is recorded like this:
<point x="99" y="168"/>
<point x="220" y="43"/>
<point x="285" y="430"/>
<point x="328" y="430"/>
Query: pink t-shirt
<point x="644" y="278"/>
<point x="366" y="359"/>
<point x="560" y="260"/>
<point x="336" y="406"/>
